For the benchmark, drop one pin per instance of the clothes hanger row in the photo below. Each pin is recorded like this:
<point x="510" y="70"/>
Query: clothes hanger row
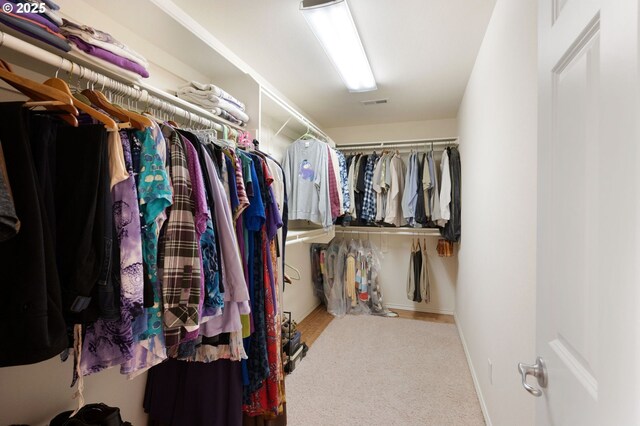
<point x="389" y="146"/>
<point x="56" y="95"/>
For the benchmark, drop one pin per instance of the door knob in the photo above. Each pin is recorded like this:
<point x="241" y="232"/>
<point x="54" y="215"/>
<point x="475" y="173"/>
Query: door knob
<point x="537" y="370"/>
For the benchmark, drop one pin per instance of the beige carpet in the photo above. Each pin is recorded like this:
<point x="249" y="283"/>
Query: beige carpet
<point x="383" y="371"/>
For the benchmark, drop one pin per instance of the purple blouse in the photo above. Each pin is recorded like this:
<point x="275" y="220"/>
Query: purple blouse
<point x="109" y="343"/>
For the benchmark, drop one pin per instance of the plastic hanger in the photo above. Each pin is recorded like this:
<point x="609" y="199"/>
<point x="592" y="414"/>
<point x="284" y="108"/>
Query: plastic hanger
<point x="61" y="85"/>
<point x="308" y="134"/>
<point x="297" y="276"/>
<point x="41" y="94"/>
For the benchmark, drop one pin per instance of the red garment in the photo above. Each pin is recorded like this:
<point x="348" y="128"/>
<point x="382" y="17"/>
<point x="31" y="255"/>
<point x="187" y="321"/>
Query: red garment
<point x="334" y="197"/>
<point x="266" y="400"/>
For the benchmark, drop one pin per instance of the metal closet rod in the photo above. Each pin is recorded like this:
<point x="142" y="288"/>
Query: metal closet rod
<point x="295" y="114"/>
<point x="428" y="232"/>
<point x="398" y="144"/>
<point x="158" y="99"/>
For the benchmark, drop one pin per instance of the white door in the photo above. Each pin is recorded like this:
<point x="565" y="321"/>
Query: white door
<point x="588" y="305"/>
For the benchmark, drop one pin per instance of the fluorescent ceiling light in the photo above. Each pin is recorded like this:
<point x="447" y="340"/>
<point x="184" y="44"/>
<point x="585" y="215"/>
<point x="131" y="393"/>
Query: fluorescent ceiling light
<point x="333" y="25"/>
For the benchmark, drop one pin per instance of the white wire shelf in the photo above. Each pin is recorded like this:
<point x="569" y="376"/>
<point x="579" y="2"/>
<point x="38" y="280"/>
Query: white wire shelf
<point x="298" y="236"/>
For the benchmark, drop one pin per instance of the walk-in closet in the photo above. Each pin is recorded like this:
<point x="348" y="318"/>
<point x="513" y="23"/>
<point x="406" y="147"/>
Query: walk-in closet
<point x="319" y="212"/>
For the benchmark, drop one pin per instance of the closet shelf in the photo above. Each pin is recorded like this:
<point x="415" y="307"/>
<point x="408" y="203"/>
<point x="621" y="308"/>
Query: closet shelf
<point x="297" y="236"/>
<point x="24" y="52"/>
<point x="426" y="232"/>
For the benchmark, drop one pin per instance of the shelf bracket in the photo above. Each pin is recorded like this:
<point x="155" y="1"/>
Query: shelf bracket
<point x="282" y="127"/>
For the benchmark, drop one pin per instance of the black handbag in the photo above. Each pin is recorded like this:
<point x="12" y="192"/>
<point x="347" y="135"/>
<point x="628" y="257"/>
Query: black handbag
<point x="91" y="415"/>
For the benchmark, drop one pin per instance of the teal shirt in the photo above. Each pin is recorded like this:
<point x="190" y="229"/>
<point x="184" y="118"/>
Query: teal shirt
<point x="155" y="194"/>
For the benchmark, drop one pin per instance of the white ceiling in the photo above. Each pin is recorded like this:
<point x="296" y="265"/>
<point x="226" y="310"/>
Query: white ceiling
<point x="421" y="52"/>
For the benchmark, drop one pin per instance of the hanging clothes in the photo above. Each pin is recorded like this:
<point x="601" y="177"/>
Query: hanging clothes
<point x="158" y="243"/>
<point x="344" y="182"/>
<point x="306" y="171"/>
<point x="425" y="282"/>
<point x="349" y="277"/>
<point x="369" y="200"/>
<point x="397" y="172"/>
<point x="9" y="222"/>
<point x="445" y="190"/>
<point x="452" y="229"/>
<point x="417" y="277"/>
<point x="410" y="192"/>
<point x="149" y="154"/>
<point x="34" y="310"/>
<point x="434" y="191"/>
<point x="108" y="343"/>
<point x="334" y="196"/>
<point x="421" y="211"/>
<point x="379" y="188"/>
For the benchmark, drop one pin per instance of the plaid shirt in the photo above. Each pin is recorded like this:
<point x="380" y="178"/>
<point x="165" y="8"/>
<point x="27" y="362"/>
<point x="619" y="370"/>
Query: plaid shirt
<point x="181" y="261"/>
<point x="369" y="203"/>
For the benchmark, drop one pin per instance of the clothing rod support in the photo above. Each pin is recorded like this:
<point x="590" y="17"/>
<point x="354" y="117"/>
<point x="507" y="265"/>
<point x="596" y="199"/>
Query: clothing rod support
<point x="145" y="93"/>
<point x="295" y="114"/>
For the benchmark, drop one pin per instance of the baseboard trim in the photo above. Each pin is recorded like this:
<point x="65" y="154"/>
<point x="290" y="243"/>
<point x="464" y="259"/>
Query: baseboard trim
<point x="306" y="314"/>
<point x="418" y="309"/>
<point x="476" y="383"/>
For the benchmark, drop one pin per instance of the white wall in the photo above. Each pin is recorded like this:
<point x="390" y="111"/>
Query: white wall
<point x="495" y="301"/>
<point x="394" y="131"/>
<point x="34" y="394"/>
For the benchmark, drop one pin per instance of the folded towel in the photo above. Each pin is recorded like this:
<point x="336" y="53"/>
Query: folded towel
<point x="224" y="114"/>
<point x="210" y="101"/>
<point x="216" y="91"/>
<point x="103" y="40"/>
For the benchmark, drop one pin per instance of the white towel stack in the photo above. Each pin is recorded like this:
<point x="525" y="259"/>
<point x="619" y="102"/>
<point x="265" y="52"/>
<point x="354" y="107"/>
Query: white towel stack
<point x="216" y="100"/>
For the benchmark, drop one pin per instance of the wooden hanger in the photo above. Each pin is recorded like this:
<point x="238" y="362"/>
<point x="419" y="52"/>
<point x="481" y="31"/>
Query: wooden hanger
<point x="135" y="120"/>
<point x="61" y="85"/>
<point x="43" y="95"/>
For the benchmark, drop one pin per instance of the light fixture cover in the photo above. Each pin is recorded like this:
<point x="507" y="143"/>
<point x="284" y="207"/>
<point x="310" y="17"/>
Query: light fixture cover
<point x="333" y="25"/>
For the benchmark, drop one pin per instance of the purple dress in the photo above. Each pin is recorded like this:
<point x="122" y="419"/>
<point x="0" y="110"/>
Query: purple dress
<point x="109" y="343"/>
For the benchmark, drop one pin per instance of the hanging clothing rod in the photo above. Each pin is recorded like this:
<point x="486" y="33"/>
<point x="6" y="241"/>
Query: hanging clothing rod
<point x="295" y="114"/>
<point x="398" y="144"/>
<point x="144" y="93"/>
<point x="418" y="232"/>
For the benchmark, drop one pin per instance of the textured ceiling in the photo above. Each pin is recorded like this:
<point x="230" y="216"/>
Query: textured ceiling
<point x="421" y="51"/>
